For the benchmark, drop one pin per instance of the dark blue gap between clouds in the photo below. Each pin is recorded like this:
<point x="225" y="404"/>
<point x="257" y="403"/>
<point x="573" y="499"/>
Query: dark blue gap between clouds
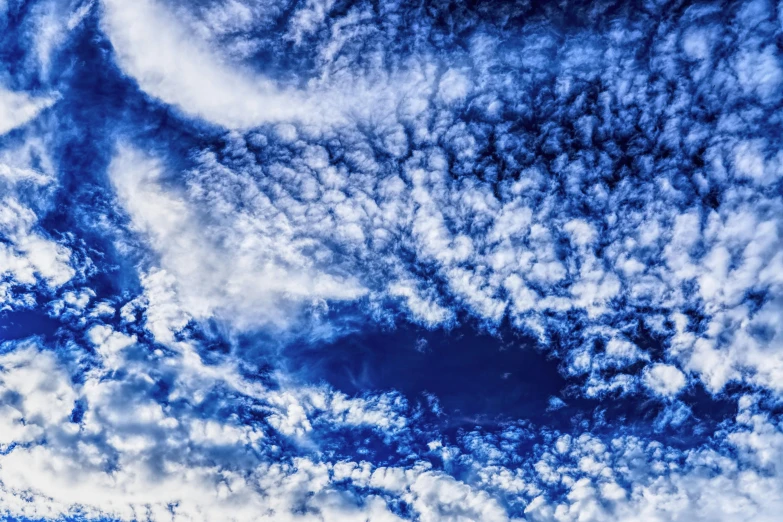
<point x="489" y="379"/>
<point x="477" y="378"/>
<point x="20" y="324"/>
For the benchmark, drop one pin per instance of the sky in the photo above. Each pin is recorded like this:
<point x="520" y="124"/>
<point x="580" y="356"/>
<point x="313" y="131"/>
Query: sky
<point x="391" y="260"/>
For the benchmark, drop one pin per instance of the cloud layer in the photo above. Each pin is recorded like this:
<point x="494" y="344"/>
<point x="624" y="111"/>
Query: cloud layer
<point x="191" y="194"/>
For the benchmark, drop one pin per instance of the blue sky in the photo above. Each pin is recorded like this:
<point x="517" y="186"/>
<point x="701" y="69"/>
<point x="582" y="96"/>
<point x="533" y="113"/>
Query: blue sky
<point x="329" y="260"/>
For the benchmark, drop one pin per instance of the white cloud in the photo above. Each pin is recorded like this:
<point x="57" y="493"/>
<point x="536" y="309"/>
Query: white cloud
<point x="423" y="308"/>
<point x="697" y="44"/>
<point x="453" y="87"/>
<point x="171" y="64"/>
<point x="18" y="108"/>
<point x="103" y="309"/>
<point x="309" y="18"/>
<point x="45" y="397"/>
<point x="51" y="24"/>
<point x="230" y="265"/>
<point x="27" y="255"/>
<point x="760" y="72"/>
<point x="72" y="303"/>
<point x="664" y="379"/>
<point x="749" y="160"/>
<point x="183" y="60"/>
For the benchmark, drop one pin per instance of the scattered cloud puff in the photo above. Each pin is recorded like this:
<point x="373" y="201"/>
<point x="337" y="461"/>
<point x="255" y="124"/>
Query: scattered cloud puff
<point x="664" y="379"/>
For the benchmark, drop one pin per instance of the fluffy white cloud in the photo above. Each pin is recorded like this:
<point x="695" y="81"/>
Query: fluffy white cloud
<point x="664" y="379"/>
<point x="42" y="392"/>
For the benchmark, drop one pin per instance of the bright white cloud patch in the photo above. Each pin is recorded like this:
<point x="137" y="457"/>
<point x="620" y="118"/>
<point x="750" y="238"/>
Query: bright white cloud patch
<point x="18" y="108"/>
<point x="236" y="265"/>
<point x="170" y="63"/>
<point x="664" y="379"/>
<point x="172" y="60"/>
